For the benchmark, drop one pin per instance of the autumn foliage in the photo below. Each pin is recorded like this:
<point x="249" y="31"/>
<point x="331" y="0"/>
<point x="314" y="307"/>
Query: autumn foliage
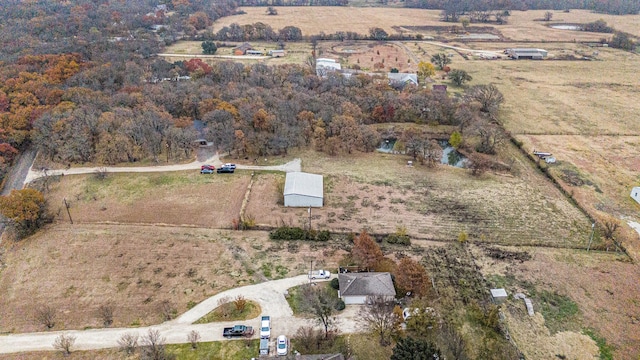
<point x="411" y="277"/>
<point x="25" y="209"/>
<point x="365" y="251"/>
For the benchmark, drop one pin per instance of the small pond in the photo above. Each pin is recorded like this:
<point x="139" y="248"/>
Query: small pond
<point x="566" y="27"/>
<point x="449" y="155"/>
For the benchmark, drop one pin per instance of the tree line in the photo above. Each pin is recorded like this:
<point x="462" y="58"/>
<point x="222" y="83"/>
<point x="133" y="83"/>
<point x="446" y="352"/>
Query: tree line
<point x="457" y="7"/>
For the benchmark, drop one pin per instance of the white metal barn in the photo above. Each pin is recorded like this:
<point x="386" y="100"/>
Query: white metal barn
<point x="303" y="190"/>
<point x="635" y="194"/>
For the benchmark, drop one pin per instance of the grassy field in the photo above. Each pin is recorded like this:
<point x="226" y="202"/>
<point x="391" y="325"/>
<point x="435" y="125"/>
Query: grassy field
<point x="84" y="266"/>
<point x="521" y="26"/>
<point x="574" y="291"/>
<point x="296" y="52"/>
<point x="379" y="192"/>
<point x="220" y="350"/>
<point x="585" y="113"/>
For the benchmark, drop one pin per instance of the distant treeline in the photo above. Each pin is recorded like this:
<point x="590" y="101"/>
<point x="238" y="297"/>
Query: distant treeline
<point x="293" y="2"/>
<point x="615" y="7"/>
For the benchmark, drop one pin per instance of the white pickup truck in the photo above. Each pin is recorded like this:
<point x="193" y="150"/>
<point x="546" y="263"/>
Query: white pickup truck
<point x="265" y="327"/>
<point x="319" y="274"/>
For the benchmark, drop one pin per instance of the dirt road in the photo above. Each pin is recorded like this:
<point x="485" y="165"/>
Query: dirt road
<point x="270" y="296"/>
<point x="291" y="166"/>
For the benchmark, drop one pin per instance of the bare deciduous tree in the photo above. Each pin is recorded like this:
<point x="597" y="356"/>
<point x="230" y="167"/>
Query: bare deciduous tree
<point x="153" y="347"/>
<point x="128" y="343"/>
<point x="489" y="97"/>
<point x="64" y="343"/>
<point x="379" y="317"/>
<point x="491" y="138"/>
<point x="193" y="338"/>
<point x="105" y="313"/>
<point x="46" y="315"/>
<point x="225" y="311"/>
<point x="321" y="303"/>
<point x="453" y="342"/>
<point x="167" y="310"/>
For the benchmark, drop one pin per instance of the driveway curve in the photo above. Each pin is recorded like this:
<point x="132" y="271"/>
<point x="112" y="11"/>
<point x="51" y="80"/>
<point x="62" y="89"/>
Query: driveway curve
<point x="291" y="166"/>
<point x="270" y="296"/>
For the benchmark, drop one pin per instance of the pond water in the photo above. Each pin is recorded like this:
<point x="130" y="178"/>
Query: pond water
<point x="449" y="155"/>
<point x="566" y="27"/>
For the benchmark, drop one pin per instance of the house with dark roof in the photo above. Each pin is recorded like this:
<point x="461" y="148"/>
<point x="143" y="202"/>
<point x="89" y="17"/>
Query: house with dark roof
<point x="358" y="288"/>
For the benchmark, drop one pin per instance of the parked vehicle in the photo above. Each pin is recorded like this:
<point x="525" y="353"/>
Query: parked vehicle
<point x="264" y="346"/>
<point x="223" y="169"/>
<point x="265" y="327"/>
<point x="230" y="166"/>
<point x="282" y="345"/>
<point x="319" y="274"/>
<point x="207" y="171"/>
<point x="207" y="167"/>
<point x="237" y="331"/>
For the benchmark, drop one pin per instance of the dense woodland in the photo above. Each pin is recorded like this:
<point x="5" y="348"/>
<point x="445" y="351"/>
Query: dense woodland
<point x="88" y="90"/>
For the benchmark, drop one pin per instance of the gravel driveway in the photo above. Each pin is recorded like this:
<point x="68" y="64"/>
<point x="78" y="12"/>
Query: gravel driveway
<point x="270" y="296"/>
<point x="291" y="166"/>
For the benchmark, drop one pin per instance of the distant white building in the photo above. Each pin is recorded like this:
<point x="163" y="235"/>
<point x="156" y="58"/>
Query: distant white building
<point x="526" y="53"/>
<point x="324" y="66"/>
<point x="303" y="190"/>
<point x="635" y="194"/>
<point x="396" y="79"/>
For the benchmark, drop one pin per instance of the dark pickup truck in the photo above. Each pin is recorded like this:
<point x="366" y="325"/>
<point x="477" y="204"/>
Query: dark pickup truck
<point x="237" y="331"/>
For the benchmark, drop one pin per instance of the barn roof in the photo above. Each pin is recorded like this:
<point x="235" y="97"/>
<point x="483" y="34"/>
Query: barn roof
<point x="367" y="283"/>
<point x="300" y="183"/>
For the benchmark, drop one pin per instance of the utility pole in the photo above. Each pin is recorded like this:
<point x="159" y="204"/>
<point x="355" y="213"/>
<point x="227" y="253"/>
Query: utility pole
<point x="593" y="229"/>
<point x="66" y="205"/>
<point x="311" y="273"/>
<point x="309" y="218"/>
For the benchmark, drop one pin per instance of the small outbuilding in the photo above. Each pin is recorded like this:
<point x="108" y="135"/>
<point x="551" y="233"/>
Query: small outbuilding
<point x="635" y="194"/>
<point x="358" y="288"/>
<point x="303" y="190"/>
<point x="498" y="295"/>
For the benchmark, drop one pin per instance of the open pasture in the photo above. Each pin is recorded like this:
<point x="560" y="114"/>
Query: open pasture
<point x="584" y="112"/>
<point x="521" y="25"/>
<point x="173" y="198"/>
<point x="135" y="268"/>
<point x="378" y="192"/>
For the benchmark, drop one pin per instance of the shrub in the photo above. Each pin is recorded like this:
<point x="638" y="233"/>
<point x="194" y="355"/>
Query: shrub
<point x="398" y="239"/>
<point x="296" y="233"/>
<point x="335" y="283"/>
<point x="340" y="305"/>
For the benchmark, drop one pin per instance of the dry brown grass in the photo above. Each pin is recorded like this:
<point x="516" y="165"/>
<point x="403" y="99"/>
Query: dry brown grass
<point x="522" y="25"/>
<point x="604" y="287"/>
<point x="584" y="112"/>
<point x="366" y="54"/>
<point x="136" y="267"/>
<point x="379" y="192"/>
<point x="313" y="20"/>
<point x="202" y="200"/>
